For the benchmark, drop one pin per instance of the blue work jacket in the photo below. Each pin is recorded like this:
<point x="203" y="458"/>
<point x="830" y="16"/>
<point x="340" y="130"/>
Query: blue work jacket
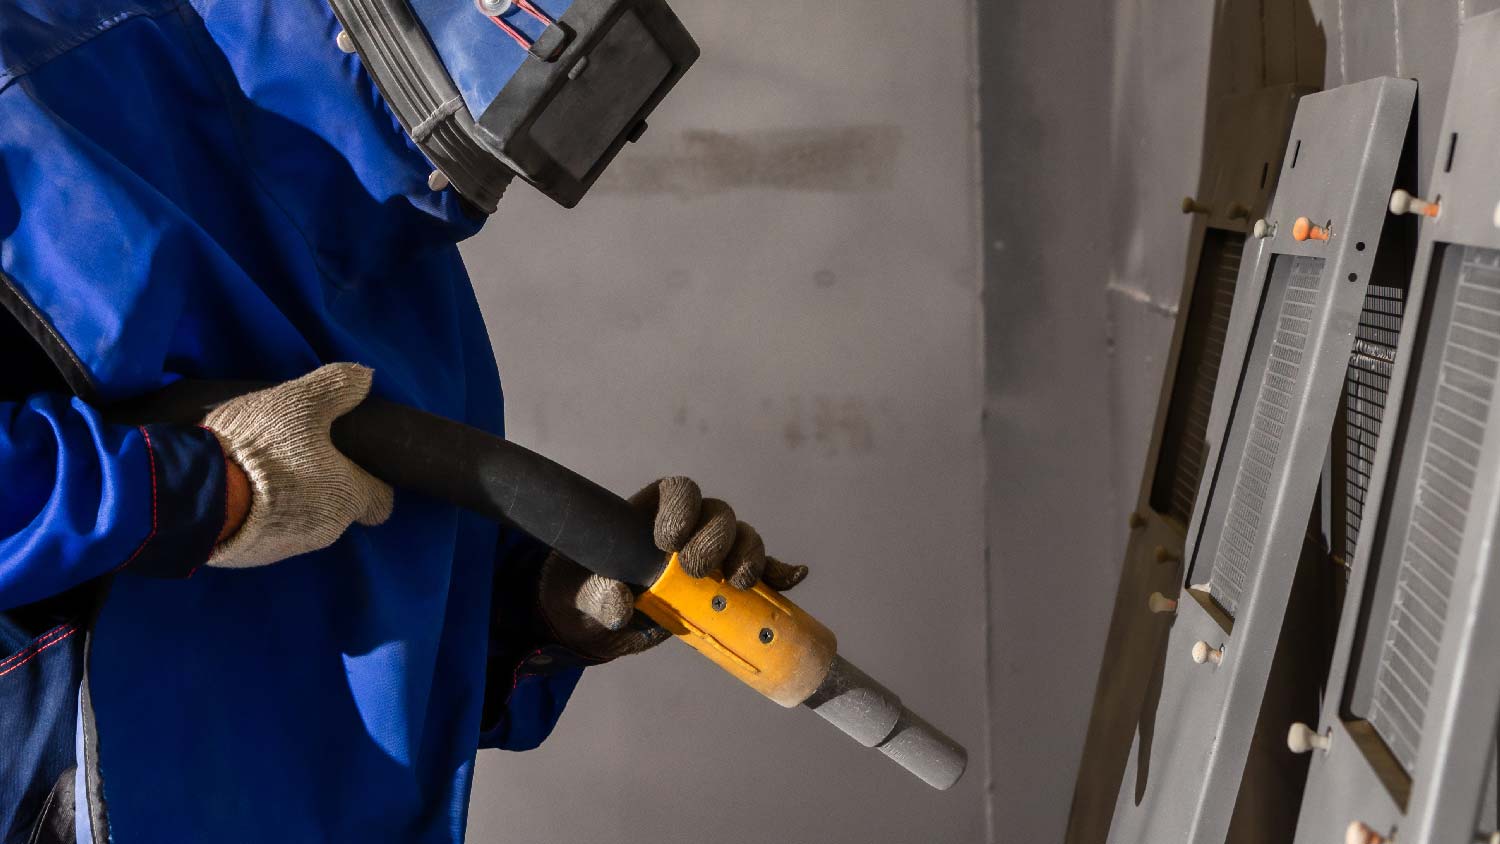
<point x="211" y="189"/>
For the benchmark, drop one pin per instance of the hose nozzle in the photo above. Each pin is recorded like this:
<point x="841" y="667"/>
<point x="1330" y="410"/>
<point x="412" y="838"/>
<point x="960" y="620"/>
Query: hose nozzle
<point x="874" y="716"/>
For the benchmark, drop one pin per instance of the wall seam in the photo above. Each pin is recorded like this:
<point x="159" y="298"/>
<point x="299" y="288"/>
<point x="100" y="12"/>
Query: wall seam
<point x="981" y="265"/>
<point x="1343" y="48"/>
<point x="1396" y="31"/>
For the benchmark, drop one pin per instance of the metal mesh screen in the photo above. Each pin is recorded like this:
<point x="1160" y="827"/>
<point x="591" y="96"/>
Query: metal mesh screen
<point x="1270" y="416"/>
<point x="1466" y="379"/>
<point x="1179" y="467"/>
<point x="1365" y="387"/>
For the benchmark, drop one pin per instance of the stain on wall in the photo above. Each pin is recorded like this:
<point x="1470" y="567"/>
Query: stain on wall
<point x="703" y="162"/>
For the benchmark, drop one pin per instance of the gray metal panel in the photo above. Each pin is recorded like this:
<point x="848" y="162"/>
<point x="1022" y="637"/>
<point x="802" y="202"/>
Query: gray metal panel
<point x="1458" y="733"/>
<point x="1402" y="734"/>
<point x="1341" y="161"/>
<point x="1294" y="280"/>
<point x="1445" y="443"/>
<point x="1247" y="138"/>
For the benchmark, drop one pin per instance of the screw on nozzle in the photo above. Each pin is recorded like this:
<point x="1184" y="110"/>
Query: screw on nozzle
<point x="1166" y="555"/>
<point x="1302" y="738"/>
<point x="1304" y="229"/>
<point x="1239" y="211"/>
<point x="1263" y="229"/>
<point x="1404" y="203"/>
<point x="1137" y="521"/>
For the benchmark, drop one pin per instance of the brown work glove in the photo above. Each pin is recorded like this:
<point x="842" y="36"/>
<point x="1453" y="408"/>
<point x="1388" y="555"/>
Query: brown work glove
<point x="596" y="616"/>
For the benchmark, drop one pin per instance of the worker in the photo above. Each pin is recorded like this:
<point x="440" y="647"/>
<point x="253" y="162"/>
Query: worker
<point x="229" y="632"/>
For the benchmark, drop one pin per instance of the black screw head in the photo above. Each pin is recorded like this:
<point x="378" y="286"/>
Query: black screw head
<point x="718" y="603"/>
<point x="766" y="635"/>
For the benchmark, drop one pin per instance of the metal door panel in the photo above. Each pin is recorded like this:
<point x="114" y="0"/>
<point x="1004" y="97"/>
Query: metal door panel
<point x="1246" y="140"/>
<point x="1297" y="309"/>
<point x="1414" y="693"/>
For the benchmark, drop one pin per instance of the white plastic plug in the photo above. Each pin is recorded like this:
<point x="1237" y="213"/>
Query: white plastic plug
<point x="1203" y="653"/>
<point x="1404" y="203"/>
<point x="1303" y="739"/>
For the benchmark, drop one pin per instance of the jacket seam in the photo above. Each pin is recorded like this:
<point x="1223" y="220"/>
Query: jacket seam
<point x="151" y="458"/>
<point x="41" y="818"/>
<point x="36" y="647"/>
<point x="10" y="74"/>
<point x="78" y="379"/>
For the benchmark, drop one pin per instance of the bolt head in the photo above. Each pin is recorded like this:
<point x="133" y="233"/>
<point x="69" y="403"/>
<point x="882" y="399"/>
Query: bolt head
<point x="1497" y="215"/>
<point x="719" y="603"/>
<point x="437" y="181"/>
<point x="494" y="8"/>
<point x="344" y="42"/>
<point x="766" y="635"/>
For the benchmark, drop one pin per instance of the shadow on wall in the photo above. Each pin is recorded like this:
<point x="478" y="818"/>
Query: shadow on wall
<point x="1255" y="44"/>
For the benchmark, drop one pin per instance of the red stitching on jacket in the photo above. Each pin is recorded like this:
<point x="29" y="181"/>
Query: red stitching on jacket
<point x="42" y="639"/>
<point x="70" y="631"/>
<point x="515" y="677"/>
<point x="151" y="456"/>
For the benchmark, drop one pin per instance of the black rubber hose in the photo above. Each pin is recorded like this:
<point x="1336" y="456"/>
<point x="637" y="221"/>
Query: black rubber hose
<point x="450" y="461"/>
<point x="418" y="451"/>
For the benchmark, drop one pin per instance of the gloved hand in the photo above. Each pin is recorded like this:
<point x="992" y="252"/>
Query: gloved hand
<point x="304" y="493"/>
<point x="595" y="615"/>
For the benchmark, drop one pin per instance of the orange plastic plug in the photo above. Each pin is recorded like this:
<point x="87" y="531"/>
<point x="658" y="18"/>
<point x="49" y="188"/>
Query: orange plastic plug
<point x="1304" y="229"/>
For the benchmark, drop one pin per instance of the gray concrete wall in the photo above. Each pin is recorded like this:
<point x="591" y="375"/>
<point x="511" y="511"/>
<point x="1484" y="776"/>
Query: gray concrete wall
<point x="777" y="293"/>
<point x="1045" y="71"/>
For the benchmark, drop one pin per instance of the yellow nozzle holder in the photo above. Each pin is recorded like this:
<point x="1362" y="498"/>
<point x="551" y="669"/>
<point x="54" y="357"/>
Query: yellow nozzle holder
<point x="769" y="643"/>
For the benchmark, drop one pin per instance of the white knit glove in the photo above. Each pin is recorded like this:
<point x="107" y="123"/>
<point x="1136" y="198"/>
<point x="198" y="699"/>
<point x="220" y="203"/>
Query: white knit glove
<point x="304" y="493"/>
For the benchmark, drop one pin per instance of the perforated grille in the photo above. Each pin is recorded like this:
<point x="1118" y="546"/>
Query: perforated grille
<point x="1366" y="385"/>
<point x="1268" y="423"/>
<point x="1179" y="468"/>
<point x="1445" y="479"/>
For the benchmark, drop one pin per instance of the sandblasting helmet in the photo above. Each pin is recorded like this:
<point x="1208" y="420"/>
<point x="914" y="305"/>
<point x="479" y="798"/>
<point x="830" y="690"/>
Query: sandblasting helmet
<point x="549" y="90"/>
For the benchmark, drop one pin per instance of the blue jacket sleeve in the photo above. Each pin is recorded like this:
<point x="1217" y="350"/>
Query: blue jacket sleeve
<point x="80" y="497"/>
<point x="531" y="676"/>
